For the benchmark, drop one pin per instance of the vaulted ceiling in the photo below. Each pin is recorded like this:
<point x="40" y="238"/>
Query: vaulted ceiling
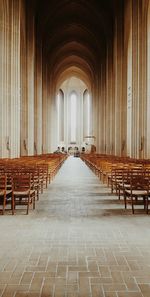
<point x="74" y="35"/>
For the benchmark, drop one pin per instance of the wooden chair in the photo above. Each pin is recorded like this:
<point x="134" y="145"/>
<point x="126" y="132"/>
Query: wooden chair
<point x="23" y="192"/>
<point x="116" y="178"/>
<point x="35" y="180"/>
<point x="5" y="194"/>
<point x="138" y="192"/>
<point x="124" y="183"/>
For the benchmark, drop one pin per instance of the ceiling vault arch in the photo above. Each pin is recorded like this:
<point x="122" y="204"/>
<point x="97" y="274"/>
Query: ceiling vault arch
<point x="74" y="36"/>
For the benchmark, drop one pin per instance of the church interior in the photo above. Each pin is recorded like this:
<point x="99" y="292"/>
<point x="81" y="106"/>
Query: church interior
<point x="74" y="148"/>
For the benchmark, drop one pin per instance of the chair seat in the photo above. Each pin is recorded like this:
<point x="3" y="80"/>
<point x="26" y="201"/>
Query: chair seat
<point x="22" y="193"/>
<point x="2" y="192"/>
<point x="121" y="185"/>
<point x="137" y="192"/>
<point x="9" y="187"/>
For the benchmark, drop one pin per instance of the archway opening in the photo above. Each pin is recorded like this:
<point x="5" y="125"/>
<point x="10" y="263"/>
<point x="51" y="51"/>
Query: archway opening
<point x="73" y="114"/>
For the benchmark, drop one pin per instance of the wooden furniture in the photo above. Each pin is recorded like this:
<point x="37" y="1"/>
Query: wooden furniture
<point x="5" y="194"/>
<point x="23" y="192"/>
<point x="138" y="193"/>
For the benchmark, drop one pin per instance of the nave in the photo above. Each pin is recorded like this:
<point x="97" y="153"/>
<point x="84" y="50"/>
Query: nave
<point x="78" y="242"/>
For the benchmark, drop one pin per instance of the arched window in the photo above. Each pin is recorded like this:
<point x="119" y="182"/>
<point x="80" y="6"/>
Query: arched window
<point x="86" y="114"/>
<point x="60" y="117"/>
<point x="69" y="118"/>
<point x="73" y="117"/>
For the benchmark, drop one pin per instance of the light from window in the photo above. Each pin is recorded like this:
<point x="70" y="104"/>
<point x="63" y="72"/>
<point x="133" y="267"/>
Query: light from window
<point x="58" y="117"/>
<point x="73" y="104"/>
<point x="88" y="114"/>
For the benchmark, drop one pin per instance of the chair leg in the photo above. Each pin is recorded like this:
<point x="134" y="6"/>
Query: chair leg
<point x="42" y="187"/>
<point x="38" y="193"/>
<point x="132" y="202"/>
<point x="46" y="182"/>
<point x="4" y="204"/>
<point x="28" y="205"/>
<point x="112" y="188"/>
<point x="33" y="202"/>
<point x="13" y="204"/>
<point x="147" y="202"/>
<point x="125" y="202"/>
<point x="119" y="193"/>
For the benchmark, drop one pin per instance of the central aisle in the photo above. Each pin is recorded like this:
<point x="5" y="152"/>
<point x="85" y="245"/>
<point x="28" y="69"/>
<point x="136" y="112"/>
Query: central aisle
<point x="74" y="192"/>
<point x="79" y="242"/>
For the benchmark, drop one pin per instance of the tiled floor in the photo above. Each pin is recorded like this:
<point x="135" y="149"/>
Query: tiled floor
<point x="79" y="242"/>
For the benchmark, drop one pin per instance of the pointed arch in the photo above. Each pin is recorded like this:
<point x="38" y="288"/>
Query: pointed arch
<point x="60" y="117"/>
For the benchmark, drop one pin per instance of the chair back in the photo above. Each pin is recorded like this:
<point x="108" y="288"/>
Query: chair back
<point x="3" y="182"/>
<point x="21" y="182"/>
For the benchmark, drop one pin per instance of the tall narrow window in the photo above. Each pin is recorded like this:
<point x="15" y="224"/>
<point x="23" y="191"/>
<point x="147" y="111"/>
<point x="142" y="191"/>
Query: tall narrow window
<point x="73" y="109"/>
<point x="60" y="117"/>
<point x="86" y="114"/>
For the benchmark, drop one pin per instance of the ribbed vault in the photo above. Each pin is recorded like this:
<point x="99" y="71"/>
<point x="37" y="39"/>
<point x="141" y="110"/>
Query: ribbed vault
<point x="74" y="36"/>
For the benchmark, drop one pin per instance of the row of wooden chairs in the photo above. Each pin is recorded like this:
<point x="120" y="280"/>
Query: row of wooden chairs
<point x="22" y="179"/>
<point x="128" y="178"/>
<point x="133" y="185"/>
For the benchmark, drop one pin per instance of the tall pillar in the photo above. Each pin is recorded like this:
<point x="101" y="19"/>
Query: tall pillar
<point x="110" y="120"/>
<point x="30" y="79"/>
<point x="45" y="118"/>
<point x="4" y="79"/>
<point x="143" y="65"/>
<point x="51" y="116"/>
<point x="38" y="101"/>
<point x="128" y="71"/>
<point x="102" y="109"/>
<point x="15" y="80"/>
<point x="95" y="111"/>
<point x="10" y="78"/>
<point x="135" y="78"/>
<point x="118" y="74"/>
<point x="139" y="66"/>
<point x="148" y="82"/>
<point x="23" y="75"/>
